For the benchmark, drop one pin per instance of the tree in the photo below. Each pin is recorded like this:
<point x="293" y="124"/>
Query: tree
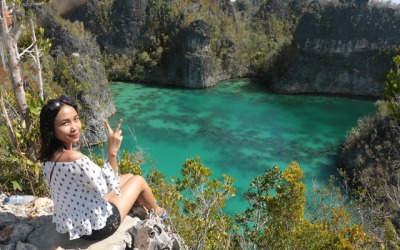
<point x="10" y="42"/>
<point x="276" y="217"/>
<point x="19" y="109"/>
<point x="200" y="219"/>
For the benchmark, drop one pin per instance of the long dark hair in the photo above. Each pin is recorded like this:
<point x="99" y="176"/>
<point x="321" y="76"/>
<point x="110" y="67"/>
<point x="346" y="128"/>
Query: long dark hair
<point x="49" y="143"/>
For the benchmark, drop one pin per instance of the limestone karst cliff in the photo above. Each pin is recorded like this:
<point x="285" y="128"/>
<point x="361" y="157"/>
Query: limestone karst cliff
<point x="342" y="50"/>
<point x="345" y="49"/>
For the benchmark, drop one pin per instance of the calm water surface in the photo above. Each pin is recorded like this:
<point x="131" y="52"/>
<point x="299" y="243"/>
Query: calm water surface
<point x="238" y="128"/>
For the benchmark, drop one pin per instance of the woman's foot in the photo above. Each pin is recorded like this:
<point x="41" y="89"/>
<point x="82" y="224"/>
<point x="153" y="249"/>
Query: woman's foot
<point x="162" y="213"/>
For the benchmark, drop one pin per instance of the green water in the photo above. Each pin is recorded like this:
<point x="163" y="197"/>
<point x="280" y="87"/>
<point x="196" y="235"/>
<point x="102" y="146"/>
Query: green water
<point x="238" y="128"/>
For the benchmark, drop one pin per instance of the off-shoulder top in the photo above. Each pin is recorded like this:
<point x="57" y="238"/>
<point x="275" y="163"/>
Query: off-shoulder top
<point x="77" y="189"/>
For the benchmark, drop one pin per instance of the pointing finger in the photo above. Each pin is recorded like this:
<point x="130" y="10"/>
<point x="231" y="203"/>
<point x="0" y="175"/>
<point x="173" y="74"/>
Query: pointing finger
<point x="107" y="126"/>
<point x="118" y="125"/>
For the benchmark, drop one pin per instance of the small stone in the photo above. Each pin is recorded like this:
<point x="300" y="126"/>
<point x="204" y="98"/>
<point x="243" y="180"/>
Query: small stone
<point x="7" y="247"/>
<point x="5" y="233"/>
<point x="139" y="211"/>
<point x="25" y="246"/>
<point x="21" y="232"/>
<point x="43" y="206"/>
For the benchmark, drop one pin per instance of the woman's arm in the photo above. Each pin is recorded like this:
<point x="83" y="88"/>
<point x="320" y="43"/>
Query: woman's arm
<point x="114" y="143"/>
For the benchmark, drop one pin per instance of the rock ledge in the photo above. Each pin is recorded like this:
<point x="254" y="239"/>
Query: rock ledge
<point x="29" y="227"/>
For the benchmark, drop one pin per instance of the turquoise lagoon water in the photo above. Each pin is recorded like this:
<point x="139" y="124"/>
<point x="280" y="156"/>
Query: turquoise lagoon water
<point x="239" y="128"/>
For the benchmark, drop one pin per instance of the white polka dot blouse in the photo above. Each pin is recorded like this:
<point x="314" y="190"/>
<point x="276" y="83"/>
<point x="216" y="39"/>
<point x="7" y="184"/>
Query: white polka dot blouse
<point x="77" y="189"/>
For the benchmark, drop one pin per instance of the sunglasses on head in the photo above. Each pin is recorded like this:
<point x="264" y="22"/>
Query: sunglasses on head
<point x="53" y="104"/>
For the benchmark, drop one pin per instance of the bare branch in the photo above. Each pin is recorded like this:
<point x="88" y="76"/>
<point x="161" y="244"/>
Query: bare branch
<point x="27" y="50"/>
<point x="37" y="60"/>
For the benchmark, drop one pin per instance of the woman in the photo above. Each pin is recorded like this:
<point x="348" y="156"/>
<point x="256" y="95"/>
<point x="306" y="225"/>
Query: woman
<point x="89" y="201"/>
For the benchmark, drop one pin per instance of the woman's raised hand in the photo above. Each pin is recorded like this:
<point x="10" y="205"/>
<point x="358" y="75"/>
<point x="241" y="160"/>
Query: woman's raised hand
<point x="114" y="138"/>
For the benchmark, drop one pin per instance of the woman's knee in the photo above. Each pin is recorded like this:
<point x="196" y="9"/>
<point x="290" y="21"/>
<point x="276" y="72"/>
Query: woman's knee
<point x="127" y="176"/>
<point x="136" y="180"/>
<point x="139" y="179"/>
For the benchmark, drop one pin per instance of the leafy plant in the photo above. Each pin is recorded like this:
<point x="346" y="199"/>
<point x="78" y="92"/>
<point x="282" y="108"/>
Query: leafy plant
<point x="18" y="172"/>
<point x="392" y="84"/>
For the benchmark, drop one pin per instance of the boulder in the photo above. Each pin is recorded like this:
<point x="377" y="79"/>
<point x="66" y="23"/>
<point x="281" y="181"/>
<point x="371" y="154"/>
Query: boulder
<point x="46" y="237"/>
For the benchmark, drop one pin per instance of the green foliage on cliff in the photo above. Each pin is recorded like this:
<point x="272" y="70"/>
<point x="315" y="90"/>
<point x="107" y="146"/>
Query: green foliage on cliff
<point x="103" y="15"/>
<point x="201" y="200"/>
<point x="392" y="84"/>
<point x="166" y="19"/>
<point x="392" y="88"/>
<point x="275" y="217"/>
<point x="370" y="163"/>
<point x="64" y="75"/>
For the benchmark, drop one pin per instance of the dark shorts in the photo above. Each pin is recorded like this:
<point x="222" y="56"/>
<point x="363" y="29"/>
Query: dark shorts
<point x="112" y="224"/>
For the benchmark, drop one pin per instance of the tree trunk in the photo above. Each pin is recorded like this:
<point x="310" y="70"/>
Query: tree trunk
<point x="3" y="62"/>
<point x="13" y="67"/>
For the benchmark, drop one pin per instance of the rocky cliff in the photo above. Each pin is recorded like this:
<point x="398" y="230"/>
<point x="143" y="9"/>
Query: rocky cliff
<point x="120" y="26"/>
<point x="193" y="62"/>
<point x="341" y="50"/>
<point x="139" y="26"/>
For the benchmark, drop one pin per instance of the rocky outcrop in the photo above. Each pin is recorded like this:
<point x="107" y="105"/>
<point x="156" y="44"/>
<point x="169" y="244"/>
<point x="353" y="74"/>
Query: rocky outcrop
<point x="129" y="20"/>
<point x="370" y="159"/>
<point x="373" y="145"/>
<point x="125" y="27"/>
<point x="193" y="64"/>
<point x="29" y="227"/>
<point x="341" y="51"/>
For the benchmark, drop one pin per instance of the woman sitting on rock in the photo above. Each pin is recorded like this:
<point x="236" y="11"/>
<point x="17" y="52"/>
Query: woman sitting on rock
<point x="89" y="201"/>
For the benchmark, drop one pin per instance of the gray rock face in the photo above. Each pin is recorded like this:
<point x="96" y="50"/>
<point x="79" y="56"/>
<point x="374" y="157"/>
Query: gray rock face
<point x="126" y="23"/>
<point x="128" y="18"/>
<point x="193" y="64"/>
<point x="345" y="51"/>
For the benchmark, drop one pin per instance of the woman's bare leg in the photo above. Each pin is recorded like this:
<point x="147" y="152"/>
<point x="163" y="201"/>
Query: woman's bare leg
<point x="122" y="179"/>
<point x="133" y="189"/>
